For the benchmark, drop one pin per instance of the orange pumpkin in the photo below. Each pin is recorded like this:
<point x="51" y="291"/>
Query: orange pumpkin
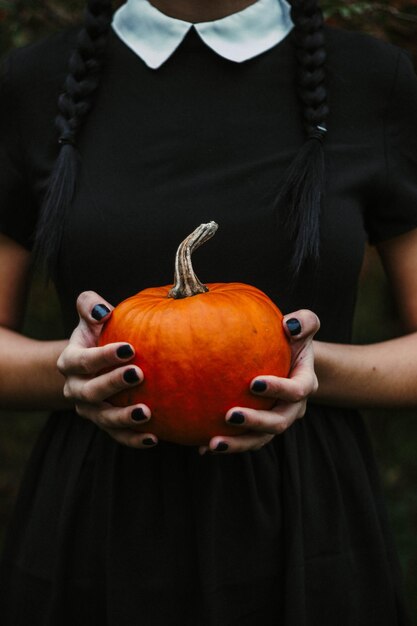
<point x="199" y="348"/>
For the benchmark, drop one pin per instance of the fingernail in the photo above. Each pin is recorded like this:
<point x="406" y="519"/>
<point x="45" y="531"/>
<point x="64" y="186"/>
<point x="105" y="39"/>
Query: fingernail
<point x="236" y="418"/>
<point x="259" y="386"/>
<point x="131" y="376"/>
<point x="293" y="326"/>
<point x="100" y="311"/>
<point x="221" y="447"/>
<point x="149" y="442"/>
<point x="138" y="415"/>
<point x="124" y="352"/>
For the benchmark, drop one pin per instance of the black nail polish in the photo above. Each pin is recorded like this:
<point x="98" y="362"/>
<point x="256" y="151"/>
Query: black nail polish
<point x="222" y="447"/>
<point x="124" y="352"/>
<point x="138" y="415"/>
<point x="100" y="311"/>
<point x="294" y="326"/>
<point x="131" y="376"/>
<point x="259" y="386"/>
<point x="236" y="418"/>
<point x="148" y="442"/>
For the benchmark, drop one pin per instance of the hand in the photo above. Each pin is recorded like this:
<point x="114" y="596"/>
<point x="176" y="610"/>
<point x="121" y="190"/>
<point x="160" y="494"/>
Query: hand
<point x="291" y="393"/>
<point x="82" y="362"/>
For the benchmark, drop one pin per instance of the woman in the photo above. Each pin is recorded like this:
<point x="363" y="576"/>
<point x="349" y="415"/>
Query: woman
<point x="175" y="125"/>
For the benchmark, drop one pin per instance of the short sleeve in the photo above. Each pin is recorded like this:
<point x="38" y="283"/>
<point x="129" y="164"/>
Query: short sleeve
<point x="395" y="212"/>
<point x="17" y="210"/>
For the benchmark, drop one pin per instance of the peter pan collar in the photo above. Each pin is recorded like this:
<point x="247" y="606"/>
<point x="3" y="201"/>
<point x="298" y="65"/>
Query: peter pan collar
<point x="154" y="36"/>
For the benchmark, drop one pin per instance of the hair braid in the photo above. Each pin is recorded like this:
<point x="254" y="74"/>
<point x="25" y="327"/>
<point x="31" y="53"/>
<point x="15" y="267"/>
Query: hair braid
<point x="74" y="104"/>
<point x="303" y="186"/>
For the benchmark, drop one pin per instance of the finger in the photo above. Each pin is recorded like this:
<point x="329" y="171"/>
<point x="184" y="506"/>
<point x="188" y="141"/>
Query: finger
<point x="110" y="417"/>
<point x="93" y="311"/>
<point x="95" y="390"/>
<point x="301" y="325"/>
<point x="301" y="383"/>
<point x="92" y="307"/>
<point x="237" y="443"/>
<point x="89" y="361"/>
<point x="274" y="422"/>
<point x="133" y="439"/>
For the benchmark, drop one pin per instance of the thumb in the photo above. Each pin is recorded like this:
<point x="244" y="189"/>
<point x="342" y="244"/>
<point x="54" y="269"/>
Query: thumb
<point x="93" y="311"/>
<point x="301" y="326"/>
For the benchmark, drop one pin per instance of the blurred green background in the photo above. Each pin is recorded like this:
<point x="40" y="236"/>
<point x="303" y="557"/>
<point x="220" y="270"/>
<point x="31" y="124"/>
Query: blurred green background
<point x="394" y="433"/>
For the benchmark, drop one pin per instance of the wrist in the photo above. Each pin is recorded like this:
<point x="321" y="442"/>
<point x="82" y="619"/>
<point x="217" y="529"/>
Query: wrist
<point x="52" y="381"/>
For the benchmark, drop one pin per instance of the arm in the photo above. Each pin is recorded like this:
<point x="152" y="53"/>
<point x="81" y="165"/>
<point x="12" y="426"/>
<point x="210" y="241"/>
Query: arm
<point x="382" y="374"/>
<point x="28" y="374"/>
<point x="30" y="370"/>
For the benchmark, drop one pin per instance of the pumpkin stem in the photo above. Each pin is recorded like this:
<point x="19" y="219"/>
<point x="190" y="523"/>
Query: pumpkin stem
<point x="186" y="283"/>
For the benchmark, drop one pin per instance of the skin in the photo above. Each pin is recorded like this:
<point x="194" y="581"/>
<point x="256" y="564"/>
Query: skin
<point x="62" y="374"/>
<point x="378" y="375"/>
<point x="382" y="374"/>
<point x="200" y="10"/>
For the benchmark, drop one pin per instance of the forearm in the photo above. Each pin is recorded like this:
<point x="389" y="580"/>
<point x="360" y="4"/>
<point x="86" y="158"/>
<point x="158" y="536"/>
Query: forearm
<point x="377" y="375"/>
<point x="29" y="378"/>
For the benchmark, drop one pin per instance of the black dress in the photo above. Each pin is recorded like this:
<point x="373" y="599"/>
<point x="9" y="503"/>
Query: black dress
<point x="296" y="533"/>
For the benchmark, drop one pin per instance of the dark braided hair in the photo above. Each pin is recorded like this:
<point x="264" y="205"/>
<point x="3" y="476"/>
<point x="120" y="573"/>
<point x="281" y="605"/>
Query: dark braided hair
<point x="302" y="187"/>
<point x="73" y="105"/>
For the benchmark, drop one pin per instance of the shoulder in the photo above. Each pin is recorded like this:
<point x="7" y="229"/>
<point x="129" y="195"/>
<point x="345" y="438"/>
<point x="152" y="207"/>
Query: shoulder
<point x="31" y="67"/>
<point x="362" y="62"/>
<point x="32" y="77"/>
<point x="361" y="51"/>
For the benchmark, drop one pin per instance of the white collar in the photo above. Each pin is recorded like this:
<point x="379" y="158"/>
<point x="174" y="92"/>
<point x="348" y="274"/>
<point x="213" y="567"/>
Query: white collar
<point x="154" y="36"/>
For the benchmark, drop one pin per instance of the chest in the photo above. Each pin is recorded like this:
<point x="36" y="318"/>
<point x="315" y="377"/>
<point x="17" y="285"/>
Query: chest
<point x="206" y="139"/>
